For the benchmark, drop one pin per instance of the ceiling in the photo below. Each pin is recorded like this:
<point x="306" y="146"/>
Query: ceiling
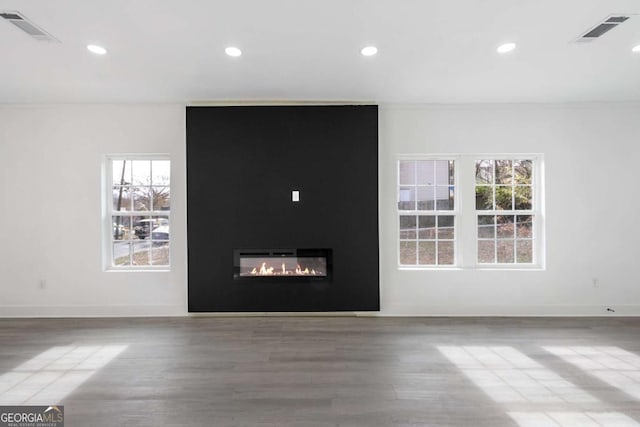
<point x="430" y="51"/>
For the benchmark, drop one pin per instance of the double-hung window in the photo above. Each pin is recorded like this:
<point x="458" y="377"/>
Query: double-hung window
<point x="470" y="211"/>
<point x="138" y="212"/>
<point x="427" y="212"/>
<point x="505" y="211"/>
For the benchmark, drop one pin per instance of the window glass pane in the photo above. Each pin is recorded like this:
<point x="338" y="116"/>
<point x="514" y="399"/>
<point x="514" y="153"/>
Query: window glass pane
<point x="445" y="227"/>
<point x="444" y="198"/>
<point x="486" y="251"/>
<point x="504" y="197"/>
<point x="121" y="199"/>
<point x="484" y="172"/>
<point x="160" y="228"/>
<point x="484" y="198"/>
<point x="505" y="229"/>
<point x="142" y="227"/>
<point x="155" y="227"/>
<point x="486" y="226"/>
<point x="121" y="253"/>
<point x="161" y="198"/>
<point x="160" y="253"/>
<point x="141" y="253"/>
<point x="426" y="172"/>
<point x="141" y="171"/>
<point x="523" y="170"/>
<point x="407" y="172"/>
<point x="444" y="172"/>
<point x="452" y="172"/>
<point x="161" y="172"/>
<point x="425" y="198"/>
<point x="503" y="172"/>
<point x="142" y="198"/>
<point x="522" y="197"/>
<point x="524" y="251"/>
<point x="406" y="199"/>
<point x="121" y="172"/>
<point x="445" y="253"/>
<point x="121" y="227"/>
<point x="504" y="249"/>
<point x="427" y="227"/>
<point x="427" y="253"/>
<point x="408" y="253"/>
<point x="524" y="226"/>
<point x="407" y="226"/>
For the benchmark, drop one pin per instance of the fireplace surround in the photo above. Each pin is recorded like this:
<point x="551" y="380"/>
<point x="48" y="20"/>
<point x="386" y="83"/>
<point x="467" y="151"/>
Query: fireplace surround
<point x="274" y="185"/>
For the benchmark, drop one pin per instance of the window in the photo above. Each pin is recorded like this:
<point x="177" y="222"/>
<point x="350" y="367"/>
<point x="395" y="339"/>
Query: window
<point x="138" y="212"/>
<point x="470" y="211"/>
<point x="427" y="216"/>
<point x="504" y="208"/>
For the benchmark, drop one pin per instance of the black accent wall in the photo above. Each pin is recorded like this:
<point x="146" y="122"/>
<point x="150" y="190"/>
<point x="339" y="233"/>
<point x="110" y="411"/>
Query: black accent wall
<point x="242" y="165"/>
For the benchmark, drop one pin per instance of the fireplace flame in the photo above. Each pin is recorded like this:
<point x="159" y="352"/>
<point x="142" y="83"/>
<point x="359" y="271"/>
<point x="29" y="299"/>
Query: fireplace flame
<point x="266" y="270"/>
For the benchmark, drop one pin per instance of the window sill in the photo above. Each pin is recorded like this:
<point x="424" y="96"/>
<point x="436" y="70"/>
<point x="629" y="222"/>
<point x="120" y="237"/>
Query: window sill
<point x="429" y="268"/>
<point x="474" y="268"/>
<point x="137" y="270"/>
<point x="506" y="267"/>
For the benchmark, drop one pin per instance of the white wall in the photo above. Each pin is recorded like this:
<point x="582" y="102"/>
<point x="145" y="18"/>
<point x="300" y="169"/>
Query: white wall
<point x="592" y="209"/>
<point x="51" y="207"/>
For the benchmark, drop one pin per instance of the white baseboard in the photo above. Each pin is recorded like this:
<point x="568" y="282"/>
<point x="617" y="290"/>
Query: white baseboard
<point x="555" y="310"/>
<point x="28" y="311"/>
<point x="388" y="310"/>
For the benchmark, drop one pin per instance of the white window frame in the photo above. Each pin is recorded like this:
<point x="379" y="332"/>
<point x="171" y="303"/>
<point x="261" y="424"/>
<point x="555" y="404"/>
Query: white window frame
<point x="466" y="216"/>
<point x="109" y="212"/>
<point x="435" y="212"/>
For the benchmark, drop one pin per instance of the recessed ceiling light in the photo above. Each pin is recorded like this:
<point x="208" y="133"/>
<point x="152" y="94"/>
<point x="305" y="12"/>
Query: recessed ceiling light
<point x="233" y="51"/>
<point x="636" y="48"/>
<point x="369" y="50"/>
<point x="507" y="47"/>
<point x="98" y="50"/>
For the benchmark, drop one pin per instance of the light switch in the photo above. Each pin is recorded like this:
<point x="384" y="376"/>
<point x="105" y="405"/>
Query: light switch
<point x="295" y="196"/>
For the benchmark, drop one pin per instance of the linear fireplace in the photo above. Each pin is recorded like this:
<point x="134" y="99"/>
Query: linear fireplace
<point x="287" y="264"/>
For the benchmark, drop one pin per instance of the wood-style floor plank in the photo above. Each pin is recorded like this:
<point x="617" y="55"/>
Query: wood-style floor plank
<point x="326" y="371"/>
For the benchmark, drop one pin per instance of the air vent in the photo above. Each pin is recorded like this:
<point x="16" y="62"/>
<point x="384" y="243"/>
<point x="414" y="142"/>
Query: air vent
<point x="20" y="21"/>
<point x="602" y="28"/>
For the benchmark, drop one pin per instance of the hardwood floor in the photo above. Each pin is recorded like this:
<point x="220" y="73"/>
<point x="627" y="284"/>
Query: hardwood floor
<point x="326" y="371"/>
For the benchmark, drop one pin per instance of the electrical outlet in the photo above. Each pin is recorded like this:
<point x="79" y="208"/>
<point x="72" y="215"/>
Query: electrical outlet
<point x="43" y="283"/>
<point x="596" y="282"/>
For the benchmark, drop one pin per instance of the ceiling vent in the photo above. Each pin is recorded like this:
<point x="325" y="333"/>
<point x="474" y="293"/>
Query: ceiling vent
<point x="19" y="20"/>
<point x="605" y="26"/>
